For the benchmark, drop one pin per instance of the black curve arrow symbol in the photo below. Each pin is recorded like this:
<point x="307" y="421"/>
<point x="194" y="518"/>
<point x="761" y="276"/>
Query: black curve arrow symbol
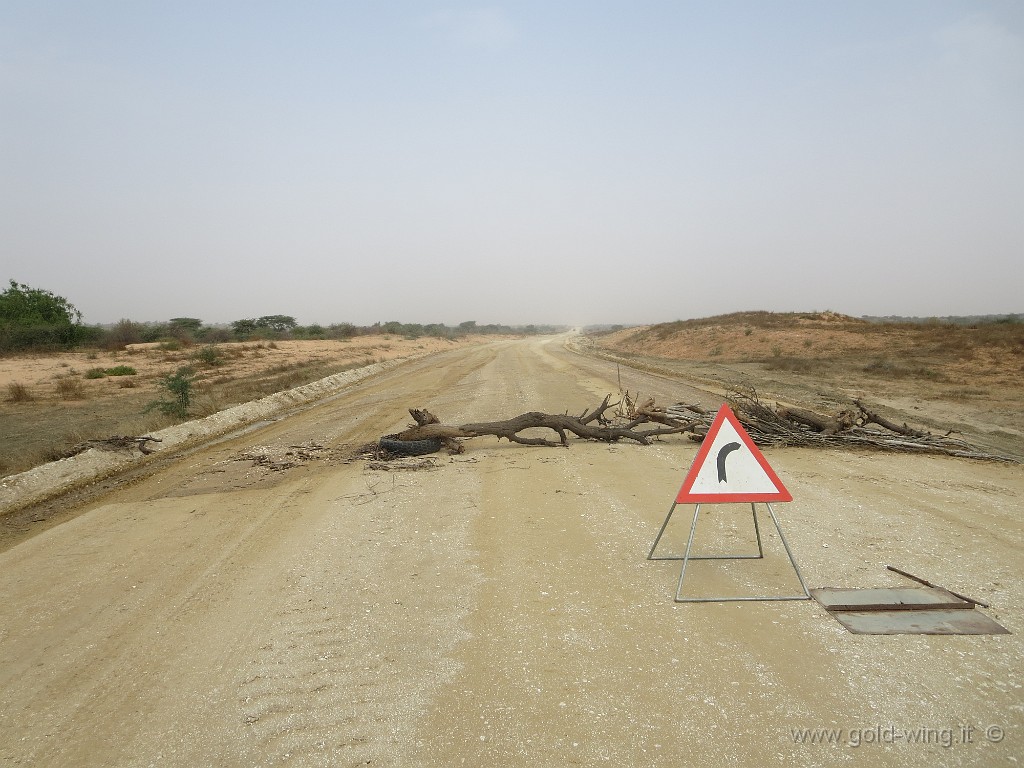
<point x="723" y="454"/>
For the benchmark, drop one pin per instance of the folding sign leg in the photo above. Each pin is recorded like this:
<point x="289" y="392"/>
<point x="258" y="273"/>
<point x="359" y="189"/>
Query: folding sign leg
<point x="792" y="560"/>
<point x="686" y="558"/>
<point x="696" y="511"/>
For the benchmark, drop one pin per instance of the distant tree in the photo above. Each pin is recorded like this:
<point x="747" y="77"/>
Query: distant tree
<point x="184" y="329"/>
<point x="189" y="323"/>
<point x="279" y="323"/>
<point x="243" y="328"/>
<point x="343" y="330"/>
<point x="23" y="305"/>
<point x="214" y="334"/>
<point x="438" y="330"/>
<point x="32" y="317"/>
<point x="468" y="325"/>
<point x="123" y="333"/>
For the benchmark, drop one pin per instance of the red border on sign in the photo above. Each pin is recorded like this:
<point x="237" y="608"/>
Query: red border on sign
<point x="685" y="496"/>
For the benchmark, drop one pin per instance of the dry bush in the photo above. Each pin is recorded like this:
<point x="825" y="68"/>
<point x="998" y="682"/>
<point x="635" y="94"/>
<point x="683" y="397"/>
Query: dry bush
<point x="795" y="364"/>
<point x="207" y="403"/>
<point x="19" y="393"/>
<point x="125" y="332"/>
<point x="966" y="393"/>
<point x="70" y="389"/>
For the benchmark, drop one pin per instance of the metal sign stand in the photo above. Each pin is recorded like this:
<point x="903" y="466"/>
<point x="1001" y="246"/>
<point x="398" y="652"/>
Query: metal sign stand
<point x="686" y="557"/>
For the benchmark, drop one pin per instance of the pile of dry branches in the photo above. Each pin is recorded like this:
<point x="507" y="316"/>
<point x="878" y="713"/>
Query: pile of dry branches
<point x="857" y="426"/>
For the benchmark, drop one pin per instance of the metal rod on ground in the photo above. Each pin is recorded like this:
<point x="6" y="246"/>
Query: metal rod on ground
<point x="927" y="583"/>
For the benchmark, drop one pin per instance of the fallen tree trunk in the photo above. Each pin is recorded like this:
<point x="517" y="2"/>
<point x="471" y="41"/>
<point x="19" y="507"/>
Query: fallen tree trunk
<point x="591" y="425"/>
<point x="829" y="425"/>
<point x="870" y="417"/>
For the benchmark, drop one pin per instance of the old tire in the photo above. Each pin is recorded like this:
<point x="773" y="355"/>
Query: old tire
<point x="409" y="447"/>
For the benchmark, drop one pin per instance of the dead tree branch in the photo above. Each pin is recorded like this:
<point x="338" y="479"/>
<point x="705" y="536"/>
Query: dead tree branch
<point x="590" y="425"/>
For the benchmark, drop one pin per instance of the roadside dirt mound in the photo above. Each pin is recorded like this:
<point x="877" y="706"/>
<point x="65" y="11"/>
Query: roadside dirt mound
<point x="57" y="477"/>
<point x="751" y="336"/>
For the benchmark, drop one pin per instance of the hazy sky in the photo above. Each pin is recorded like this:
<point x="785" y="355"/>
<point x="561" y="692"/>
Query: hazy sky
<point x="563" y="162"/>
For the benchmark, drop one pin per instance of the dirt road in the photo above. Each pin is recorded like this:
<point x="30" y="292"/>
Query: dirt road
<point x="499" y="609"/>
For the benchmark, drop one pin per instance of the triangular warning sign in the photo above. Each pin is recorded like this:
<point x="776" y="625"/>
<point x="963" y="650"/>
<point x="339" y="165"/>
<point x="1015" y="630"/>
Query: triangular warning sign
<point x="729" y="467"/>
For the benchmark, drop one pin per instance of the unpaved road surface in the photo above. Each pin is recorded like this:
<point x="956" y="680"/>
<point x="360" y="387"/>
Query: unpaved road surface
<point x="498" y="610"/>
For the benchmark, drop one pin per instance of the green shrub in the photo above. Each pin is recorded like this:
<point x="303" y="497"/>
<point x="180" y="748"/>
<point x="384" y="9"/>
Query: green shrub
<point x="95" y="373"/>
<point x="179" y="386"/>
<point x="121" y="370"/>
<point x="209" y="355"/>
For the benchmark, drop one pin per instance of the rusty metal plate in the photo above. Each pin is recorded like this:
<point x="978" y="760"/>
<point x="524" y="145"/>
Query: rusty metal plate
<point x="941" y="622"/>
<point x="905" y="611"/>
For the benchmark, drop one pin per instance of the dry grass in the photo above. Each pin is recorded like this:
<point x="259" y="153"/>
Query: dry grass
<point x="217" y="394"/>
<point x="32" y="449"/>
<point x="795" y="364"/>
<point x="895" y="370"/>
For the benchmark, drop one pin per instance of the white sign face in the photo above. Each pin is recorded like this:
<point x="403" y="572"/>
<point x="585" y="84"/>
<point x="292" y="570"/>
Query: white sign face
<point x="729" y="467"/>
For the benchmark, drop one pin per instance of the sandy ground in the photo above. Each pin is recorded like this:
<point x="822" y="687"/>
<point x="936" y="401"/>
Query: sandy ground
<point x="498" y="609"/>
<point x="969" y="390"/>
<point x="40" y="372"/>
